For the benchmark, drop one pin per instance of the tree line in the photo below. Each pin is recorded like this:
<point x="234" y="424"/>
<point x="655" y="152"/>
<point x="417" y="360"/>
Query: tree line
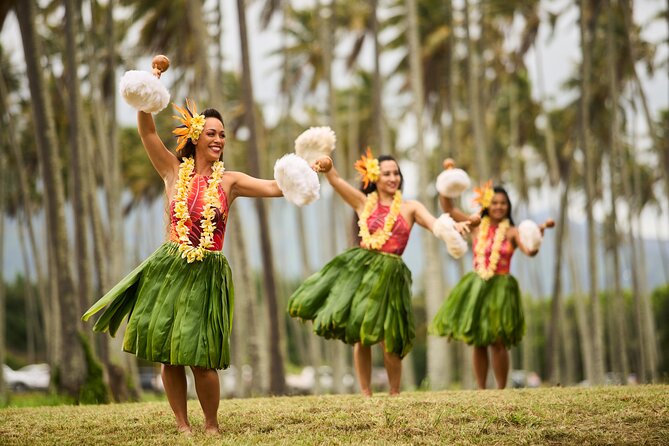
<point x="448" y="70"/>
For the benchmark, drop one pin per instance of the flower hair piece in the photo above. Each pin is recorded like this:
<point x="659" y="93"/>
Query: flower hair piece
<point x="484" y="195"/>
<point x="368" y="168"/>
<point x="191" y="126"/>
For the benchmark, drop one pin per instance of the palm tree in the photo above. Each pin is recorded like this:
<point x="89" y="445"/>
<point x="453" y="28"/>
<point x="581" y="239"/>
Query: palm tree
<point x="78" y="163"/>
<point x="71" y="360"/>
<point x="585" y="22"/>
<point x="433" y="286"/>
<point x="620" y="362"/>
<point x="277" y="377"/>
<point x="3" y="386"/>
<point x="475" y="111"/>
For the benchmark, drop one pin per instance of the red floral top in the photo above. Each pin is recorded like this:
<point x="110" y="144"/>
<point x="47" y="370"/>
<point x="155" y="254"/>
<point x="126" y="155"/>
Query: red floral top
<point x="399" y="234"/>
<point x="195" y="204"/>
<point x="505" y="252"/>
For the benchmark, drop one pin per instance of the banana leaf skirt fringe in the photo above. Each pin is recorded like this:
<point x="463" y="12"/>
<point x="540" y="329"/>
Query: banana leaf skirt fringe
<point x="179" y="313"/>
<point x="479" y="312"/>
<point x="360" y="296"/>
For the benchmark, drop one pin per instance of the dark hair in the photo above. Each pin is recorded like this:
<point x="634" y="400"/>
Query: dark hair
<point x="189" y="149"/>
<point x="371" y="187"/>
<point x="501" y="190"/>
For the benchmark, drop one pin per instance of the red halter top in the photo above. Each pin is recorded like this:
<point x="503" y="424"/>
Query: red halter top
<point x="399" y="234"/>
<point x="196" y="202"/>
<point x="505" y="252"/>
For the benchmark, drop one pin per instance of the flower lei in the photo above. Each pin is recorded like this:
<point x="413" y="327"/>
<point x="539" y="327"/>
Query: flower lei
<point x="191" y="126"/>
<point x="368" y="168"/>
<point x="381" y="235"/>
<point x="482" y="243"/>
<point x="211" y="201"/>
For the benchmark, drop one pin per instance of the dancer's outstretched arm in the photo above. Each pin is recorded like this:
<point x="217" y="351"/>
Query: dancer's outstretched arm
<point x="456" y="214"/>
<point x="514" y="236"/>
<point x="424" y="218"/>
<point x="244" y="185"/>
<point x="354" y="197"/>
<point x="164" y="161"/>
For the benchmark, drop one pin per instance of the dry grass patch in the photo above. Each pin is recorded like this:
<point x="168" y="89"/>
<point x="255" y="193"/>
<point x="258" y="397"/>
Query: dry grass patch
<point x="610" y="415"/>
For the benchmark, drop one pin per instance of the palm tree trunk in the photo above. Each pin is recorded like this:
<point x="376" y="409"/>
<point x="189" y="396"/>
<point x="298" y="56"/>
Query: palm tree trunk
<point x="436" y="347"/>
<point x="569" y="357"/>
<point x="527" y="344"/>
<point x="77" y="162"/>
<point x="326" y="14"/>
<point x="619" y="356"/>
<point x="581" y="310"/>
<point x="551" y="152"/>
<point x="71" y="361"/>
<point x="475" y="111"/>
<point x="590" y="192"/>
<point x="277" y="374"/>
<point x="452" y="83"/>
<point x="32" y="317"/>
<point x="642" y="354"/>
<point x="245" y="291"/>
<point x="377" y="87"/>
<point x="3" y="386"/>
<point x="647" y="315"/>
<point x="555" y="328"/>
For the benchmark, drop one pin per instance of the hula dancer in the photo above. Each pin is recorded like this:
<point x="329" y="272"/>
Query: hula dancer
<point x="179" y="301"/>
<point x="485" y="309"/>
<point x="363" y="296"/>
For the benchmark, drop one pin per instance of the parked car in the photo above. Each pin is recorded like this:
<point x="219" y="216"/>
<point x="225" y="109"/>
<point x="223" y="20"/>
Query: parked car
<point x="304" y="383"/>
<point x="30" y="377"/>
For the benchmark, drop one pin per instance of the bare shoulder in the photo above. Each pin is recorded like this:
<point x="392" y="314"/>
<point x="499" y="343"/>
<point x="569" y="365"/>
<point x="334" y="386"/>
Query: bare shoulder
<point x="233" y="176"/>
<point x="512" y="234"/>
<point x="413" y="205"/>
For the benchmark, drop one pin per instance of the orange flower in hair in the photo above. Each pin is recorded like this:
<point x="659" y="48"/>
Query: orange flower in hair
<point x="191" y="126"/>
<point x="484" y="195"/>
<point x="368" y="168"/>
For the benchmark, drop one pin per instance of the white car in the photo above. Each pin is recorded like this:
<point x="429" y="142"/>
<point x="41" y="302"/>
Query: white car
<point x="30" y="377"/>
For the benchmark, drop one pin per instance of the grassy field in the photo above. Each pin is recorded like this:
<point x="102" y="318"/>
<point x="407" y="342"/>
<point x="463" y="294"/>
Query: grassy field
<point x="610" y="415"/>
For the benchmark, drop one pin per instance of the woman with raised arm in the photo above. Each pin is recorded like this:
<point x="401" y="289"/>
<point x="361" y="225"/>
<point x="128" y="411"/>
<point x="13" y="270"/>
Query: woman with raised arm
<point x="180" y="299"/>
<point x="485" y="309"/>
<point x="363" y="296"/>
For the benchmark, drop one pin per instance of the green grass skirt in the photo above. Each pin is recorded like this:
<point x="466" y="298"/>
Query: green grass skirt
<point x="179" y="313"/>
<point x="359" y="296"/>
<point x="479" y="312"/>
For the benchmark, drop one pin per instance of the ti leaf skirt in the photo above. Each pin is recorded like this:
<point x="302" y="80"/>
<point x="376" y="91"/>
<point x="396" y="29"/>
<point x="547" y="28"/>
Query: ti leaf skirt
<point x="359" y="296"/>
<point x="480" y="312"/>
<point x="179" y="313"/>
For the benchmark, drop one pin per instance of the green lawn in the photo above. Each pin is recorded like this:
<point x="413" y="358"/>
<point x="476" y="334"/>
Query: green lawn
<point x="608" y="415"/>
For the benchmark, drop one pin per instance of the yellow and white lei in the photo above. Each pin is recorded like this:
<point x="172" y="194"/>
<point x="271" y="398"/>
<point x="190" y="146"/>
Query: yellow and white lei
<point x="211" y="201"/>
<point x="381" y="235"/>
<point x="482" y="243"/>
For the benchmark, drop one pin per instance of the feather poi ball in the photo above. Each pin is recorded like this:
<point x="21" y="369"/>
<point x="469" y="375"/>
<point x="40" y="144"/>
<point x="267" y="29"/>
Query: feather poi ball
<point x="144" y="92"/>
<point x="530" y="235"/>
<point x="444" y="228"/>
<point x="298" y="182"/>
<point x="315" y="143"/>
<point x="452" y="182"/>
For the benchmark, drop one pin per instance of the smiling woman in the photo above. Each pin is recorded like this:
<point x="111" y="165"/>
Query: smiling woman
<point x="485" y="309"/>
<point x="363" y="296"/>
<point x="179" y="301"/>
